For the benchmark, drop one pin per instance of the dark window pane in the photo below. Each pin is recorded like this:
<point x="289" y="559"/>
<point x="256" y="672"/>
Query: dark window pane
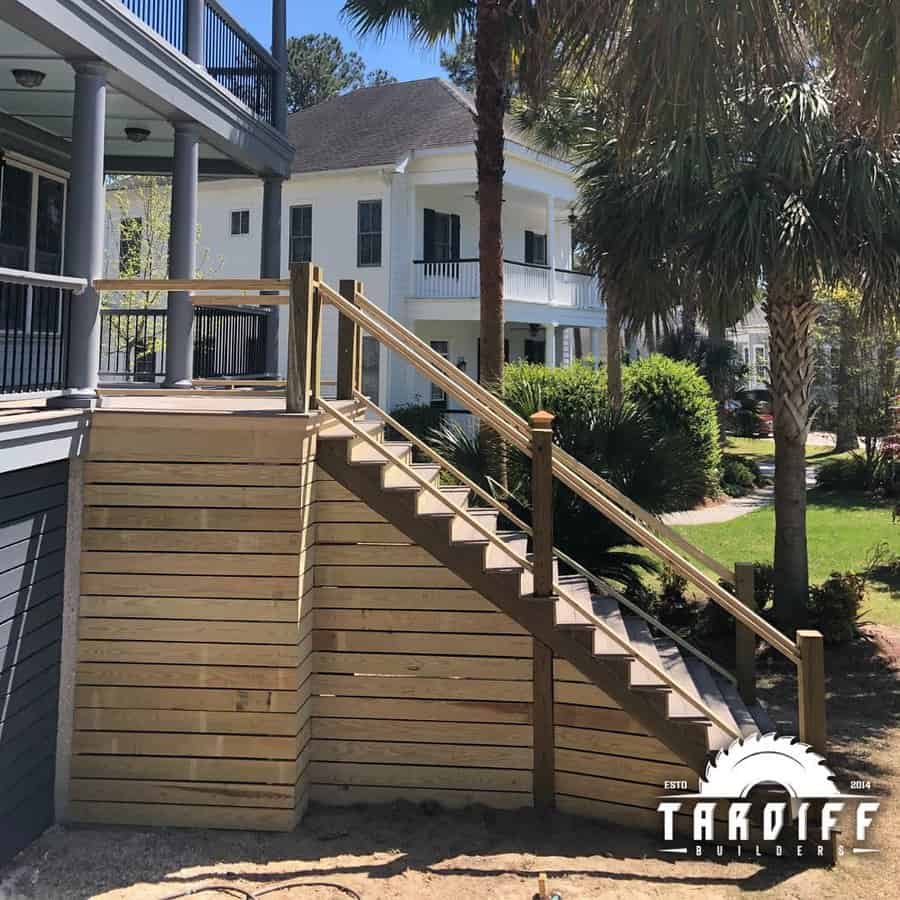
<point x="15" y="218"/>
<point x="12" y="307"/>
<point x="370" y="365"/>
<point x="369" y="233"/>
<point x="48" y="244"/>
<point x="301" y="234"/>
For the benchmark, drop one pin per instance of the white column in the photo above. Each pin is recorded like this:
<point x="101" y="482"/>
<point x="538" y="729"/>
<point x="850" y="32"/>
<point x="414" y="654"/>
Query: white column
<point x="550" y="345"/>
<point x="411" y="225"/>
<point x="596" y="344"/>
<point x="551" y="247"/>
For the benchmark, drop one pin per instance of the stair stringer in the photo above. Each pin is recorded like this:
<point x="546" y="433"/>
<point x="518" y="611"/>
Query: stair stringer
<point x="687" y="740"/>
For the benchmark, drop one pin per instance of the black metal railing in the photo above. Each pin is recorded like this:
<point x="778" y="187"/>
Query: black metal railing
<point x="228" y="343"/>
<point x="235" y="59"/>
<point x="34" y="335"/>
<point x="237" y="62"/>
<point x="165" y="17"/>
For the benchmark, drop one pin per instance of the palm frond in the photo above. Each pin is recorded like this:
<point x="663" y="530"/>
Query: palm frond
<point x="426" y="21"/>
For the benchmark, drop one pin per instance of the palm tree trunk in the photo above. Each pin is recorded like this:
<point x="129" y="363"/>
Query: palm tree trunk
<point x="491" y="62"/>
<point x="790" y="311"/>
<point x="847" y="437"/>
<point x="613" y="345"/>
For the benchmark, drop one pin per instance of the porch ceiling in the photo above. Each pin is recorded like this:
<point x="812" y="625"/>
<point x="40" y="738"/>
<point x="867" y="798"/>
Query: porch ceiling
<point x="49" y="107"/>
<point x="513" y="311"/>
<point x="151" y="85"/>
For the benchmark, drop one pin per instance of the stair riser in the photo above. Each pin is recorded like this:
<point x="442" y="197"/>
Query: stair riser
<point x="496" y="558"/>
<point x="393" y="476"/>
<point x="362" y="450"/>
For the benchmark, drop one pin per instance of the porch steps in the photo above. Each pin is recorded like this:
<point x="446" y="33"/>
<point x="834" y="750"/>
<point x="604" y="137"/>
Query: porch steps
<point x="433" y="519"/>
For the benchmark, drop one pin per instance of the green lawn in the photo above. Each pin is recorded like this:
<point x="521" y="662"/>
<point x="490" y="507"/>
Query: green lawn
<point x="763" y="449"/>
<point x="842" y="529"/>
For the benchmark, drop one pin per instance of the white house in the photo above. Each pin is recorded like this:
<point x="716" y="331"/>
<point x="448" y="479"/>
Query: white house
<point x="383" y="190"/>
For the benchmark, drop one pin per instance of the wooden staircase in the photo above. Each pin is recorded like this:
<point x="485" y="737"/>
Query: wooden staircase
<point x="382" y="474"/>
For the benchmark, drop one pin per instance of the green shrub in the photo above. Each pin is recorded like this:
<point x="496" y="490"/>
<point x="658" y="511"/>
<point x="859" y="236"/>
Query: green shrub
<point x="835" y="606"/>
<point x="678" y="401"/>
<point x="421" y="419"/>
<point x="738" y="476"/>
<point x="843" y="474"/>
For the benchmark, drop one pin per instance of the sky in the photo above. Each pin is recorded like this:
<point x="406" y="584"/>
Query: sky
<point x="394" y="53"/>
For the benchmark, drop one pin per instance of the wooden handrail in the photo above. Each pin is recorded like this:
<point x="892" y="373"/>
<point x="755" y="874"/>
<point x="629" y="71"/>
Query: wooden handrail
<point x="523" y="526"/>
<point x="192" y="284"/>
<point x="526" y="565"/>
<point x="509" y="426"/>
<point x="502" y="411"/>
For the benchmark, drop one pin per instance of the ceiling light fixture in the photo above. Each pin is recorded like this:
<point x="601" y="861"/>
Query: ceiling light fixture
<point x="29" y="78"/>
<point x="136" y="134"/>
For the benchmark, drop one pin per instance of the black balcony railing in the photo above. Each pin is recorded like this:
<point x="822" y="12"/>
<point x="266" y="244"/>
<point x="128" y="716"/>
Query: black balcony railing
<point x="34" y="332"/>
<point x="237" y="61"/>
<point x="228" y="343"/>
<point x="165" y="17"/>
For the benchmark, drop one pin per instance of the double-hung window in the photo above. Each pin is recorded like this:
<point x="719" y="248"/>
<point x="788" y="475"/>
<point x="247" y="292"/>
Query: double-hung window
<point x="368" y="241"/>
<point x="240" y="222"/>
<point x="301" y="234"/>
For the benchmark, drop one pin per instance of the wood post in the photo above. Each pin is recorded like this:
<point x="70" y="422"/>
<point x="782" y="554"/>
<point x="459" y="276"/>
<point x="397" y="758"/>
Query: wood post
<point x="811" y="689"/>
<point x="745" y="638"/>
<point x="544" y="734"/>
<point x="304" y="338"/>
<point x="542" y="501"/>
<point x="349" y="342"/>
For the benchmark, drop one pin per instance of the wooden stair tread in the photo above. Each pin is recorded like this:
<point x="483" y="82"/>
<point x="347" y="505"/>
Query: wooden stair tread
<point x="750" y="719"/>
<point x="641" y="639"/>
<point x="675" y="666"/>
<point x="607" y="608"/>
<point x="709" y="693"/>
<point x="340" y="432"/>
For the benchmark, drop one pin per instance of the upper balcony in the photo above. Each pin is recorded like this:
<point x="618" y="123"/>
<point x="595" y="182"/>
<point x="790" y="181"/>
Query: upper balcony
<point x="539" y="281"/>
<point x="167" y="64"/>
<point x="522" y="282"/>
<point x="231" y="55"/>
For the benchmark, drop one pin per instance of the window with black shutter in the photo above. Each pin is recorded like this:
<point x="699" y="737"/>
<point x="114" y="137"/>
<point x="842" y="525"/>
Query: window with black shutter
<point x="535" y="248"/>
<point x="441" y="237"/>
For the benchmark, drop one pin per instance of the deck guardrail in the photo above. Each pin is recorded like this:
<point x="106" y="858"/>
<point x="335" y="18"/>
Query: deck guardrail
<point x="233" y="57"/>
<point x="35" y="310"/>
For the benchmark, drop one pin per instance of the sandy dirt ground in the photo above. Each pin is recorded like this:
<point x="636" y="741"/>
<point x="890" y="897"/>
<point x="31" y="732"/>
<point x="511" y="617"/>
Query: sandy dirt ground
<point x="409" y="852"/>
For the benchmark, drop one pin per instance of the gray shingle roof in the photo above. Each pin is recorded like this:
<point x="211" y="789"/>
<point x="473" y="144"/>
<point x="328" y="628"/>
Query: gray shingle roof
<point x="380" y="125"/>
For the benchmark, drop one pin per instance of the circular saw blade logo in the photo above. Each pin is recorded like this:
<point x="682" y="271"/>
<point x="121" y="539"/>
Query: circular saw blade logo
<point x="768" y="759"/>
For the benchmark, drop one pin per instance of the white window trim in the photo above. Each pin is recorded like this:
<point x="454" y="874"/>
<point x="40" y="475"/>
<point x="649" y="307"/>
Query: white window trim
<point x="38" y="170"/>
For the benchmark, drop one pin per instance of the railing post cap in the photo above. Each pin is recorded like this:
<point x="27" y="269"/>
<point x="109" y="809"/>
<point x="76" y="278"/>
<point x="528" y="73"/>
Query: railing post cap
<point x="541" y="419"/>
<point x="809" y="634"/>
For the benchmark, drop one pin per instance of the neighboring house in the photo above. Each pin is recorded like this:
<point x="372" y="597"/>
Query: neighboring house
<point x="88" y="89"/>
<point x="383" y="190"/>
<point x="751" y="337"/>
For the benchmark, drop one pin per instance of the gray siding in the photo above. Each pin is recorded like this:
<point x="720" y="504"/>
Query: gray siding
<point x="32" y="550"/>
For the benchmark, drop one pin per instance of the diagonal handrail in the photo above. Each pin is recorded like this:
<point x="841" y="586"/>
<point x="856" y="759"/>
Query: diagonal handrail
<point x="505" y="511"/>
<point x="526" y="565"/>
<point x="485" y="405"/>
<point x="502" y="411"/>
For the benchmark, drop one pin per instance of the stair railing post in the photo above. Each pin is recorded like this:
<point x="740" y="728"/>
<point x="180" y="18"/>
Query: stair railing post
<point x="304" y="338"/>
<point x="542" y="501"/>
<point x="744" y="637"/>
<point x="349" y="341"/>
<point x="811" y="689"/>
<point x="544" y="746"/>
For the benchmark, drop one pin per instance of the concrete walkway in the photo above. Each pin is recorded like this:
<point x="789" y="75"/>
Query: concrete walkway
<point x="734" y="507"/>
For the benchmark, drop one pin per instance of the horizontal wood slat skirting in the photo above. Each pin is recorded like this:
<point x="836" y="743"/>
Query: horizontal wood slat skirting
<point x="252" y="636"/>
<point x="194" y="668"/>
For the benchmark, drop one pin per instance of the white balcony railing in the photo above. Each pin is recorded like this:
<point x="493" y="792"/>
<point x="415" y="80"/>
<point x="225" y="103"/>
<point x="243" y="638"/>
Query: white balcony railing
<point x="525" y="282"/>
